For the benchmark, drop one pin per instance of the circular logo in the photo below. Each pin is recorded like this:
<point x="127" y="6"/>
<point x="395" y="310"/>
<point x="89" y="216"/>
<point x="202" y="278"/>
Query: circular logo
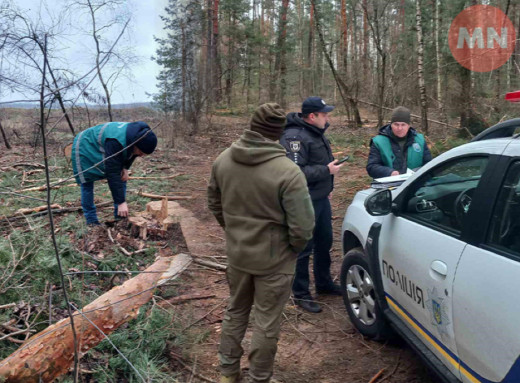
<point x="482" y="38"/>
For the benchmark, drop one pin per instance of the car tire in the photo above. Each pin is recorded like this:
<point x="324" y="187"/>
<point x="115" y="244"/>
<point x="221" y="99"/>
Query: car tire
<point x="359" y="296"/>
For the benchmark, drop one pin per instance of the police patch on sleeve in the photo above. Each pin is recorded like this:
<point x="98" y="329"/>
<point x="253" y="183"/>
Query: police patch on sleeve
<point x="295" y="146"/>
<point x="416" y="147"/>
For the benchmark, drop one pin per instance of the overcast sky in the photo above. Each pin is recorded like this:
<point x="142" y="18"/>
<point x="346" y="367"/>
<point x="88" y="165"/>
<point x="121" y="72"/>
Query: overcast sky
<point x="146" y="24"/>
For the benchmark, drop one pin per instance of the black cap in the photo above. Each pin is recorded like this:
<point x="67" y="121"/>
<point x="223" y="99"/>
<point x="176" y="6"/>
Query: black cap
<point x="315" y="105"/>
<point x="401" y="114"/>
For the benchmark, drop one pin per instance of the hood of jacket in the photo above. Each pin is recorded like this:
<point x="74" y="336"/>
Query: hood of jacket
<point x="252" y="149"/>
<point x="134" y="130"/>
<point x="296" y="120"/>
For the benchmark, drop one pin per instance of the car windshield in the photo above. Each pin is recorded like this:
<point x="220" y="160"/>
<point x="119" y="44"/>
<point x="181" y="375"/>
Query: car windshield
<point x="450" y="178"/>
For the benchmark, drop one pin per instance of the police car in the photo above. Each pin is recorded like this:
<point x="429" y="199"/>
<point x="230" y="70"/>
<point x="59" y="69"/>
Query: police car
<point x="437" y="260"/>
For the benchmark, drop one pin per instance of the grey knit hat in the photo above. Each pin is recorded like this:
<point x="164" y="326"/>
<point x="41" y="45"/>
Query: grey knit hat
<point x="269" y="120"/>
<point x="401" y="114"/>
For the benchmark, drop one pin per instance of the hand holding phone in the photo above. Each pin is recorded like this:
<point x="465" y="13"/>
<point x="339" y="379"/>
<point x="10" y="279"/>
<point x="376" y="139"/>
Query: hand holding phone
<point x="344" y="159"/>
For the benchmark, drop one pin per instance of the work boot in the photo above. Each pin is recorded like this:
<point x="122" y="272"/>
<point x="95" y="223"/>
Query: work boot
<point x="308" y="304"/>
<point x="334" y="289"/>
<point x="230" y="379"/>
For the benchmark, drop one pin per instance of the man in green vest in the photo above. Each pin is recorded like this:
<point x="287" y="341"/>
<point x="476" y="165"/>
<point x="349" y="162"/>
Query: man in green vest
<point x="397" y="148"/>
<point x="107" y="151"/>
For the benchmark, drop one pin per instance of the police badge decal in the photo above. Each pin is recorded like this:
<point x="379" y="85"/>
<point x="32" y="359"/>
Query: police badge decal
<point x="295" y="146"/>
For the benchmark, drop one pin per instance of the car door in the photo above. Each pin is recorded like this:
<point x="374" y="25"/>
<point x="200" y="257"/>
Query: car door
<point x="420" y="246"/>
<point x="485" y="295"/>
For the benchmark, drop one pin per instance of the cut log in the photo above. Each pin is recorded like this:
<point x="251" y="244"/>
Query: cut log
<point x="156" y="178"/>
<point x="29" y="210"/>
<point x="50" y="353"/>
<point x="169" y="197"/>
<point x="44" y="187"/>
<point x="155" y="221"/>
<point x="67" y="151"/>
<point x="29" y="164"/>
<point x="6" y="220"/>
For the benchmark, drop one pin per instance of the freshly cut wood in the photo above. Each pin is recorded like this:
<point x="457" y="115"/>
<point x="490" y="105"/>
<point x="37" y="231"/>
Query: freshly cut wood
<point x="50" y="353"/>
<point x="156" y="220"/>
<point x="169" y="197"/>
<point x="156" y="178"/>
<point x="5" y="220"/>
<point x="213" y="265"/>
<point x="29" y="164"/>
<point x="67" y="151"/>
<point x="44" y="187"/>
<point x="37" y="209"/>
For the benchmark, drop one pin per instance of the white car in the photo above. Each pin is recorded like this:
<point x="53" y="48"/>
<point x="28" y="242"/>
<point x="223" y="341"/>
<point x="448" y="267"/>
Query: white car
<point x="437" y="260"/>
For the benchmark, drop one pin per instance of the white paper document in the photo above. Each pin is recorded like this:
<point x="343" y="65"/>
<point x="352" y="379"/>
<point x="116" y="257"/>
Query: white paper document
<point x="400" y="177"/>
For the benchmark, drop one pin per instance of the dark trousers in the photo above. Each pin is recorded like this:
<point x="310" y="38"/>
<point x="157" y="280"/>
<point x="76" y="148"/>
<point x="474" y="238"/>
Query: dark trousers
<point x="87" y="203"/>
<point x="320" y="243"/>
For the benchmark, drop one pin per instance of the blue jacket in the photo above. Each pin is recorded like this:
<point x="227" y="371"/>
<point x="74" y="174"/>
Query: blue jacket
<point x="375" y="165"/>
<point x="307" y="146"/>
<point x="98" y="142"/>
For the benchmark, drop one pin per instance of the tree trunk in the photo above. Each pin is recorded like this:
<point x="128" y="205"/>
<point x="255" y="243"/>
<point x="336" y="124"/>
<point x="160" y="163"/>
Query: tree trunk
<point x="342" y="86"/>
<point x="98" y="63"/>
<point x="309" y="75"/>
<point x="183" y="72"/>
<point x="209" y="57"/>
<point x="217" y="73"/>
<point x="7" y="145"/>
<point x="344" y="37"/>
<point x="281" y="65"/>
<point x="437" y="53"/>
<point x="60" y="100"/>
<point x="47" y="355"/>
<point x="230" y="53"/>
<point x="420" y="58"/>
<point x="365" y="42"/>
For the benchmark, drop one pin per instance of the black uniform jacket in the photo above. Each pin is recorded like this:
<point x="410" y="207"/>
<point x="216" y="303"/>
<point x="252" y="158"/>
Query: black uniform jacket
<point x="307" y="146"/>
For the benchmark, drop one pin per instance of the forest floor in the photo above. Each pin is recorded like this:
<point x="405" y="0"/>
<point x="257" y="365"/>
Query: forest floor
<point x="320" y="347"/>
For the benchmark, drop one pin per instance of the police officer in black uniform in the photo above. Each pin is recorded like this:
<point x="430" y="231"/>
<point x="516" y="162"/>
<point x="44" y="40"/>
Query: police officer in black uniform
<point x="307" y="146"/>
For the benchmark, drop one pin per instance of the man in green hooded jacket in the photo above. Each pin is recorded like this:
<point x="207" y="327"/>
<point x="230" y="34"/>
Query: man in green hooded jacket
<point x="260" y="198"/>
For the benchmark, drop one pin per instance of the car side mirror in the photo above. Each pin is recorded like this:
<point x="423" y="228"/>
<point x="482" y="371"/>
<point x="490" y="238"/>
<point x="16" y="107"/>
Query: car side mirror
<point x="379" y="202"/>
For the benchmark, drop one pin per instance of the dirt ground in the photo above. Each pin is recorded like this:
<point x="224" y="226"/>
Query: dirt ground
<point x="320" y="347"/>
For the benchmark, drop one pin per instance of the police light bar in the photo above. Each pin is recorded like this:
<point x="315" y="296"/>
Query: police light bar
<point x="513" y="96"/>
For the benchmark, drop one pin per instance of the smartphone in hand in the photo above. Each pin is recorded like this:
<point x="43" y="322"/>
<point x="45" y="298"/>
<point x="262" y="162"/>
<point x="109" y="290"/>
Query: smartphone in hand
<point x="344" y="159"/>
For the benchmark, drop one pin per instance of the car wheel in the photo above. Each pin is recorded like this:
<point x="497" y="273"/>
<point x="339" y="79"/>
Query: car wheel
<point x="359" y="296"/>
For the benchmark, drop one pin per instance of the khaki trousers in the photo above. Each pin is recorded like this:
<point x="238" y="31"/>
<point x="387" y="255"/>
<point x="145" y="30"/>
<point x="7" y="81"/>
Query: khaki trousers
<point x="269" y="294"/>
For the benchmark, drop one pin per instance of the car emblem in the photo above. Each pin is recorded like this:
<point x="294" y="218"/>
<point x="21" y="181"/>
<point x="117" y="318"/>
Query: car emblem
<point x="295" y="146"/>
<point x="437" y="313"/>
<point x="438" y="309"/>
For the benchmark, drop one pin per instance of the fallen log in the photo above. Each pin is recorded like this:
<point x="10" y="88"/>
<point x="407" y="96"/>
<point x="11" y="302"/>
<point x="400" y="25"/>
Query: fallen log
<point x="213" y="265"/>
<point x="37" y="209"/>
<point x="17" y="217"/>
<point x="50" y="353"/>
<point x="29" y="164"/>
<point x="44" y="187"/>
<point x="168" y="197"/>
<point x="156" y="178"/>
